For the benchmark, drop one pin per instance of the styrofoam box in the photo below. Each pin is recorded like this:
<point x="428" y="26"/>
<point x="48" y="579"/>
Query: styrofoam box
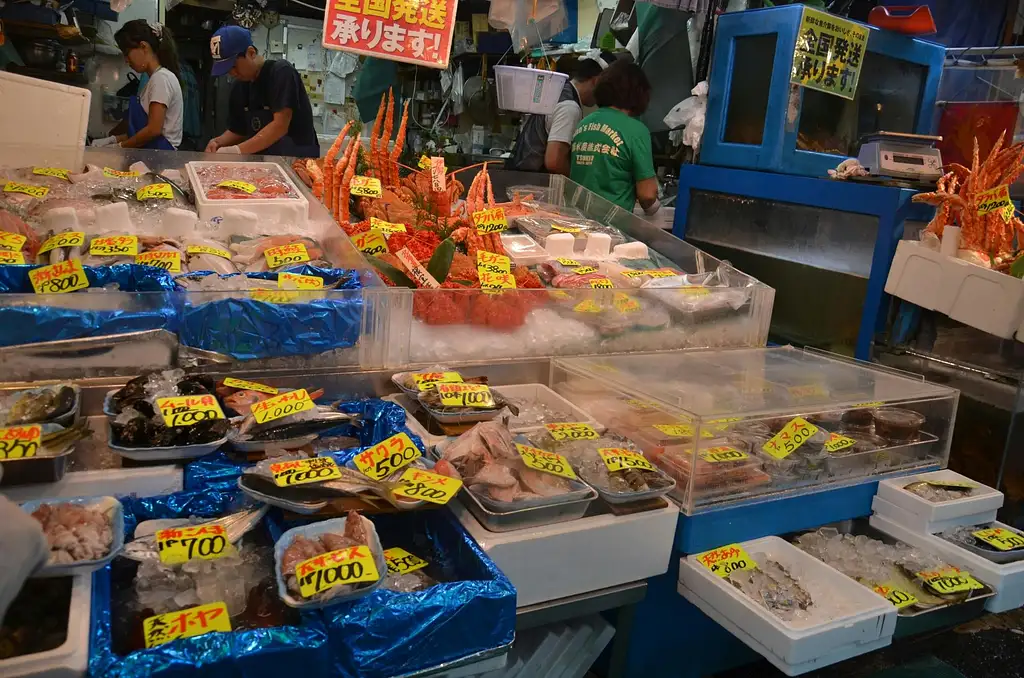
<point x="543" y="394"/>
<point x="543" y="562"/>
<point x="845" y="619"/>
<point x="290" y="211"/>
<point x="896" y="514"/>
<point x="973" y="295"/>
<point x="49" y="118"/>
<point x="71" y="659"/>
<point x="982" y="500"/>
<point x="1007" y="579"/>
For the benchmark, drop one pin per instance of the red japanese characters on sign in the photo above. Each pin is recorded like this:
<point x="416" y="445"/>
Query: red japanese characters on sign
<point x="414" y="31"/>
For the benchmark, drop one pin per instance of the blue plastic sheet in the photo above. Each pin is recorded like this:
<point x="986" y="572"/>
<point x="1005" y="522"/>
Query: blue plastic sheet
<point x="30" y="324"/>
<point x="247" y="329"/>
<point x="258" y="653"/>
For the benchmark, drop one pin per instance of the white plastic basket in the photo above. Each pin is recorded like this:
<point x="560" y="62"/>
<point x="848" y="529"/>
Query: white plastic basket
<point x="528" y="90"/>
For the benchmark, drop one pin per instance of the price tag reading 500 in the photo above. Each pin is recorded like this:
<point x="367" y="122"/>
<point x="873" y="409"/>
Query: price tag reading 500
<point x="282" y="405"/>
<point x="790" y="438"/>
<point x="546" y="462"/>
<point x="345" y="566"/>
<point x="382" y="460"/>
<point x="572" y="431"/>
<point x="302" y="471"/>
<point x="189" y="410"/>
<point x="1002" y="539"/>
<point x="725" y="560"/>
<point x="433" y="487"/>
<point x="401" y="561"/>
<point x="295" y="253"/>
<point x="618" y="459"/>
<point x="20" y="442"/>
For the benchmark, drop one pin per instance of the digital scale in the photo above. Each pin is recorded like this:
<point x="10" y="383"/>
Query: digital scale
<point x="903" y="156"/>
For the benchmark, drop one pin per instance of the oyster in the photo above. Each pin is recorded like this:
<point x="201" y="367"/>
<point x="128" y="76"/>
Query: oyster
<point x="37" y="406"/>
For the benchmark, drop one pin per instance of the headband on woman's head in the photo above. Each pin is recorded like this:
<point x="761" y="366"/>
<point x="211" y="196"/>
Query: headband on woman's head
<point x="157" y="28"/>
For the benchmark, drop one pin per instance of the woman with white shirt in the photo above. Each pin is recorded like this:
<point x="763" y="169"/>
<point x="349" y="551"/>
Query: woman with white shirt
<point x="156" y="114"/>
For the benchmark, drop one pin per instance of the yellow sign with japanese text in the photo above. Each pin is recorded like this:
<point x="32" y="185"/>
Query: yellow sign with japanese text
<point x="829" y="53"/>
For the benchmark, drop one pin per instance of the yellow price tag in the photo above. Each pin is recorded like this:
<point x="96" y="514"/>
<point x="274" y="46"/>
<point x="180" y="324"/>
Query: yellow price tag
<point x="178" y="545"/>
<point x="155" y="191"/>
<point x="602" y="284"/>
<point x="423" y="485"/>
<point x="546" y="462"/>
<point x="625" y="303"/>
<point x="568" y="262"/>
<point x="303" y="471"/>
<point x="231" y="382"/>
<point x="424" y="162"/>
<point x="11" y="241"/>
<point x="1002" y="539"/>
<point x="118" y="174"/>
<point x="165" y="259"/>
<point x="189" y="410"/>
<point x="495" y="282"/>
<point x="282" y="255"/>
<point x="20" y="442"/>
<point x="7" y="257"/>
<point x="290" y="402"/>
<point x="368" y="187"/>
<point x="386" y="227"/>
<point x="807" y="391"/>
<point x="187" y="623"/>
<point x="242" y="186"/>
<point x="66" y="276"/>
<point x="572" y="431"/>
<point x="206" y="249"/>
<point x="583" y="270"/>
<point x="896" y="596"/>
<point x="722" y="453"/>
<point x="371" y="242"/>
<point x="876" y="403"/>
<point x="425" y="380"/>
<point x="836" y="442"/>
<point x="465" y="395"/>
<point x="296" y="281"/>
<point x="275" y="296"/>
<point x="345" y="566"/>
<point x="619" y="459"/>
<point x="670" y="273"/>
<point x="114" y="246"/>
<point x="587" y="306"/>
<point x="952" y="580"/>
<point x="725" y="560"/>
<point x="53" y="172"/>
<point x="790" y="438"/>
<point x="997" y="198"/>
<point x="493" y="263"/>
<point x="28" y="189"/>
<point x="566" y="229"/>
<point x="490" y="220"/>
<point x="387" y="457"/>
<point x="69" y="239"/>
<point x="401" y="561"/>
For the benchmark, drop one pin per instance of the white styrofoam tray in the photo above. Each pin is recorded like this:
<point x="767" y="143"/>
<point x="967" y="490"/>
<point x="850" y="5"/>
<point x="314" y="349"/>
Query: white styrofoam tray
<point x="844" y="613"/>
<point x="1007" y="579"/>
<point x="981" y="500"/>
<point x="293" y="212"/>
<point x="146" y="481"/>
<point x="71" y="659"/>
<point x="917" y="522"/>
<point x="544" y="395"/>
<point x="542" y="562"/>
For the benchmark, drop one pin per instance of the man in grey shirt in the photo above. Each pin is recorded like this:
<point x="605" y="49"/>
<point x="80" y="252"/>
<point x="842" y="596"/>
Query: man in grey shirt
<point x="544" y="141"/>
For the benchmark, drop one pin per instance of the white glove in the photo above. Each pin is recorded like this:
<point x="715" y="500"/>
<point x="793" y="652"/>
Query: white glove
<point x="105" y="141"/>
<point x="22" y="549"/>
<point x="235" y="150"/>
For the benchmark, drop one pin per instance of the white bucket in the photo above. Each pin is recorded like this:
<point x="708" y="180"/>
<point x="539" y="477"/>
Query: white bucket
<point x="528" y="90"/>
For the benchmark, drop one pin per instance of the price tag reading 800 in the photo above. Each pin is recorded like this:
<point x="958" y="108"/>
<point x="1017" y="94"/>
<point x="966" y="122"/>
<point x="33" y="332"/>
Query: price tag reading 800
<point x="371" y="242"/>
<point x="67" y="276"/>
<point x="1002" y="539"/>
<point x="465" y="395"/>
<point x="20" y="442"/>
<point x="619" y="459"/>
<point x="291" y="402"/>
<point x="383" y="459"/>
<point x="790" y="438"/>
<point x="368" y="187"/>
<point x="302" y="471"/>
<point x="294" y="253"/>
<point x="572" y="431"/>
<point x="546" y="462"/>
<point x="423" y="485"/>
<point x="182" y="544"/>
<point x="725" y="560"/>
<point x="401" y="561"/>
<point x="344" y="566"/>
<point x="189" y="410"/>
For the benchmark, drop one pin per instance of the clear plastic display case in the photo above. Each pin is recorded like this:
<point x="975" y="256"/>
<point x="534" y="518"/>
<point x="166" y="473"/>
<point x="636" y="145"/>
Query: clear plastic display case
<point x="744" y="424"/>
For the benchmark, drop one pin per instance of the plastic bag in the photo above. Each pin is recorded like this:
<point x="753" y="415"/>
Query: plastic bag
<point x="529" y="22"/>
<point x="689" y="114"/>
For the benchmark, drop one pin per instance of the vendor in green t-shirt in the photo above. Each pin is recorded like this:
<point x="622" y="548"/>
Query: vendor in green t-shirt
<point x="611" y="151"/>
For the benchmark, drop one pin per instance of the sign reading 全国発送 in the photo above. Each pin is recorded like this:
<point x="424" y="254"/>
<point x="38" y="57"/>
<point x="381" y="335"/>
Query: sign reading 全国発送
<point x="414" y="31"/>
<point x="829" y="53"/>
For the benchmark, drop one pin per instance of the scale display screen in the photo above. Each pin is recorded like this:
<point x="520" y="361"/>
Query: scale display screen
<point x="908" y="159"/>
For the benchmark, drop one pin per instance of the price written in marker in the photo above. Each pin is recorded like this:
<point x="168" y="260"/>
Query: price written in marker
<point x="67" y="276"/>
<point x="619" y="459"/>
<point x="368" y="187"/>
<point x="275" y="296"/>
<point x="282" y="255"/>
<point x="167" y="260"/>
<point x="1002" y="539"/>
<point x="951" y="484"/>
<point x="386" y="227"/>
<point x="584" y="270"/>
<point x="493" y="263"/>
<point x="572" y="431"/>
<point x="118" y="174"/>
<point x="837" y="443"/>
<point x="896" y="596"/>
<point x="207" y="249"/>
<point x="566" y="229"/>
<point x="997" y="198"/>
<point x="242" y="186"/>
<point x="11" y="241"/>
<point x="385" y="458"/>
<point x="682" y="431"/>
<point x="546" y="462"/>
<point x="722" y="454"/>
<point x="807" y="391"/>
<point x="371" y="242"/>
<point x="344" y="566"/>
<point x="304" y="471"/>
<point x="69" y="239"/>
<point x="423" y="485"/>
<point x="465" y="395"/>
<point x="7" y="257"/>
<point x="189" y="410"/>
<point x="291" y="402"/>
<point x="490" y="220"/>
<point x="181" y="544"/>
<point x="790" y="438"/>
<point x="438" y="182"/>
<point x="602" y="284"/>
<point x="231" y="382"/>
<point x="670" y="273"/>
<point x="155" y="192"/>
<point x="493" y="283"/>
<point x="20" y="442"/>
<point x="296" y="281"/>
<point x="187" y="623"/>
<point x="426" y="380"/>
<point x="948" y="581"/>
<point x="57" y="172"/>
<point x="114" y="246"/>
<point x="401" y="561"/>
<point x="625" y="303"/>
<point x="588" y="306"/>
<point x="568" y="262"/>
<point x="725" y="560"/>
<point x="28" y="189"/>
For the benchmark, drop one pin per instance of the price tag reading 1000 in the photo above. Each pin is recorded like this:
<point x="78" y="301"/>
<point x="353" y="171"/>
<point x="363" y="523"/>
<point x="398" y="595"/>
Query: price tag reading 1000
<point x="344" y="566"/>
<point x="283" y="405"/>
<point x="189" y="410"/>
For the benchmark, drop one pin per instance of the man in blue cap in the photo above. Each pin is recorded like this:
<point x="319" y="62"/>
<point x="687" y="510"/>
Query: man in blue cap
<point x="269" y="111"/>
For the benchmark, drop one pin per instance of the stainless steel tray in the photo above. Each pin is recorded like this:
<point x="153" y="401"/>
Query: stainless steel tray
<point x="630" y="497"/>
<point x="35" y="469"/>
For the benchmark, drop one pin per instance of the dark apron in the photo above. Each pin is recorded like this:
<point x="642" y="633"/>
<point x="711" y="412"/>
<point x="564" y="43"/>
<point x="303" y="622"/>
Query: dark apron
<point x="532" y="142"/>
<point x="138" y="118"/>
<point x="260" y="118"/>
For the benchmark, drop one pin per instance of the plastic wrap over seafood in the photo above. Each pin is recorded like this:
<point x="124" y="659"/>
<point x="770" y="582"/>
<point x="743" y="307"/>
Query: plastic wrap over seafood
<point x="696" y="293"/>
<point x="267" y="181"/>
<point x="74" y="532"/>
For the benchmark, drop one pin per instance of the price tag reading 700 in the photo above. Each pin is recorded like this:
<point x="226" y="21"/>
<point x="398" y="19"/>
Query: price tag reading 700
<point x="20" y="442"/>
<point x="790" y="438"/>
<point x="572" y="431"/>
<point x="189" y="410"/>
<point x="725" y="560"/>
<point x="383" y="459"/>
<point x="182" y="544"/>
<point x="282" y="406"/>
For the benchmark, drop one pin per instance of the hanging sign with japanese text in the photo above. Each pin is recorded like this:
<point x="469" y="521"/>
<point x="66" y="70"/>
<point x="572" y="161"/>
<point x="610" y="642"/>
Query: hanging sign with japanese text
<point x="414" y="31"/>
<point x="829" y="53"/>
